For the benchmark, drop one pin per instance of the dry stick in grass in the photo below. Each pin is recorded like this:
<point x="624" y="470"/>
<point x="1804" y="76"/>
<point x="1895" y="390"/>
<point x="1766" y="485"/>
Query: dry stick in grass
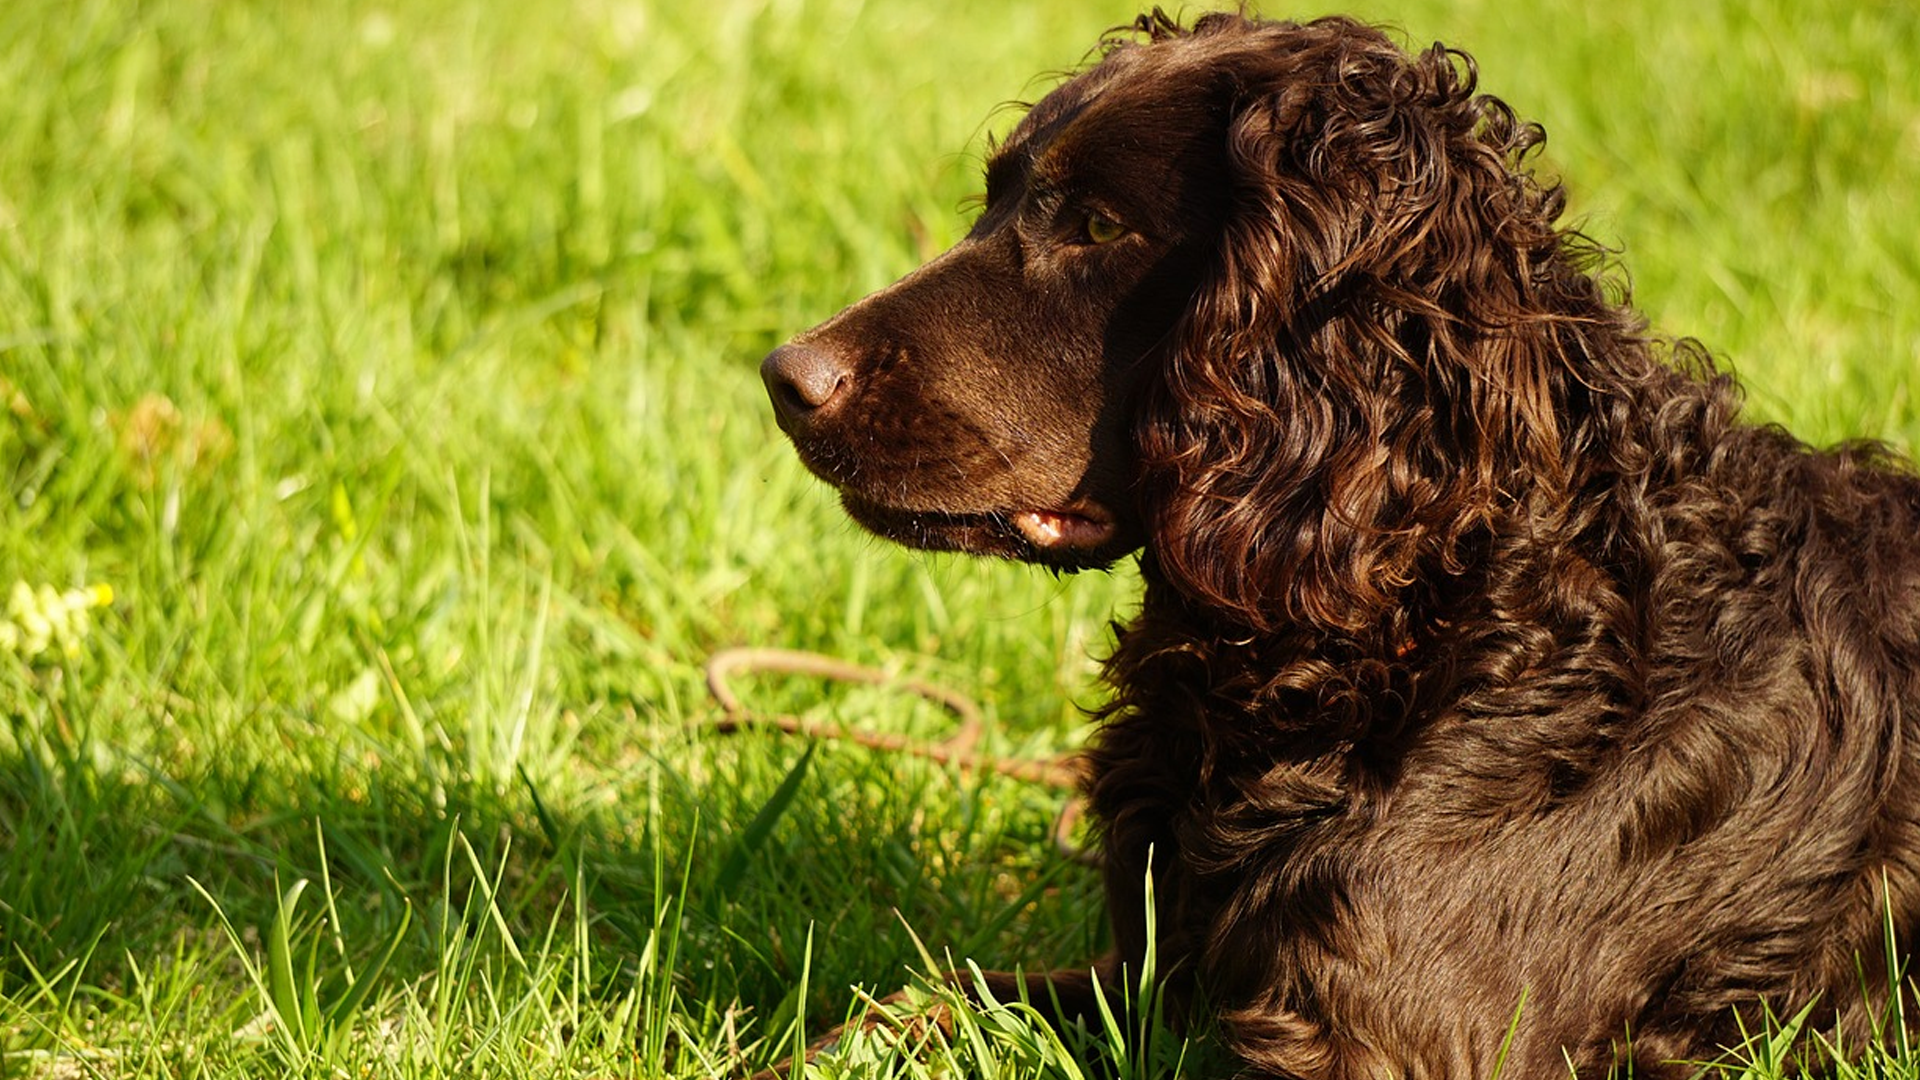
<point x="957" y="750"/>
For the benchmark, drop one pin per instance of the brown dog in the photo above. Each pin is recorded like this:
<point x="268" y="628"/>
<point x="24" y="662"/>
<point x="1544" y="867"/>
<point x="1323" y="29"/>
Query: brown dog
<point x="1484" y="655"/>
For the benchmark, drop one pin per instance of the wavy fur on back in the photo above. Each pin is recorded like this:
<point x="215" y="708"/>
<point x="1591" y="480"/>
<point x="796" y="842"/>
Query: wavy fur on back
<point x="1486" y="655"/>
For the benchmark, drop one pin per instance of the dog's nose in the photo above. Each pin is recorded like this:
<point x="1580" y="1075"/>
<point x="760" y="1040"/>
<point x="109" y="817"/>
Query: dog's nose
<point x="803" y="381"/>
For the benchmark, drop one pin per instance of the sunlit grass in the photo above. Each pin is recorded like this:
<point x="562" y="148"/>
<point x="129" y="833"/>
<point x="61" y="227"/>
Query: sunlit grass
<point x="378" y="410"/>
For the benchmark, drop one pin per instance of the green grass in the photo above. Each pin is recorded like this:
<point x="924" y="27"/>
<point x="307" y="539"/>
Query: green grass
<point x="394" y="366"/>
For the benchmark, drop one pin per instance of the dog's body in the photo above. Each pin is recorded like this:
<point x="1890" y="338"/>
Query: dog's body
<point x="1485" y="658"/>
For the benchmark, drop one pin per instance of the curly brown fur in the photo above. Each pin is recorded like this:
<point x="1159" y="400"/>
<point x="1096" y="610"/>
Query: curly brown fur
<point x="1485" y="653"/>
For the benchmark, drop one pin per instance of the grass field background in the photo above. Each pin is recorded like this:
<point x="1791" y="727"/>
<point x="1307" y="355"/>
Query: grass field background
<point x="383" y="453"/>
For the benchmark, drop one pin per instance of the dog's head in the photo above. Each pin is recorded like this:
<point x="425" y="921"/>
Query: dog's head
<point x="982" y="403"/>
<point x="1262" y="296"/>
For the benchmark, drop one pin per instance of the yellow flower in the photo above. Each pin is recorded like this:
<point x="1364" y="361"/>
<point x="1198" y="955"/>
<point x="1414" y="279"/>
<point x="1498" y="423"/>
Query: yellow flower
<point x="42" y="618"/>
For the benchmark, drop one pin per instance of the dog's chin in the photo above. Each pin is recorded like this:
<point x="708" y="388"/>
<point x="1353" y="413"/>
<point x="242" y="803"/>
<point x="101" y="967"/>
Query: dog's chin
<point x="1083" y="537"/>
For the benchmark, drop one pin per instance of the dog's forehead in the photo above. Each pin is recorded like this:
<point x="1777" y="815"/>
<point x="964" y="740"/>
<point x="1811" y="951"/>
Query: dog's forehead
<point x="1054" y="113"/>
<point x="1138" y="122"/>
<point x="1125" y="72"/>
<point x="1132" y="86"/>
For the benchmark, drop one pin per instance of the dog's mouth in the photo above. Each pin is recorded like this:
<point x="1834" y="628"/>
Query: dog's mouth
<point x="1080" y="536"/>
<point x="1087" y="527"/>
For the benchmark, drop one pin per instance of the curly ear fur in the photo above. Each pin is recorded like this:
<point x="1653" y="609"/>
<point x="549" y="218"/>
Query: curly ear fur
<point x="1352" y="392"/>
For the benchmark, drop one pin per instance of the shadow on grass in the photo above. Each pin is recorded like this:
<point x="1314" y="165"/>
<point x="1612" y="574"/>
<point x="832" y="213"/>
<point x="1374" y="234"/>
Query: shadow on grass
<point x="756" y="878"/>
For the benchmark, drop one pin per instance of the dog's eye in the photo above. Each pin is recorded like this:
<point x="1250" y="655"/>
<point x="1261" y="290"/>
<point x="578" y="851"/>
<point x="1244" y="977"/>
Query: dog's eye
<point x="1102" y="229"/>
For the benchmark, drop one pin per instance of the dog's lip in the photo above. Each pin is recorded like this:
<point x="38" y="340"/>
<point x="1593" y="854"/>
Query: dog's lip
<point x="1079" y="534"/>
<point x="1080" y="526"/>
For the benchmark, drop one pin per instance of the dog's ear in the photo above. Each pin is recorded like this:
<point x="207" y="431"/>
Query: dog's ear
<point x="1368" y="363"/>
